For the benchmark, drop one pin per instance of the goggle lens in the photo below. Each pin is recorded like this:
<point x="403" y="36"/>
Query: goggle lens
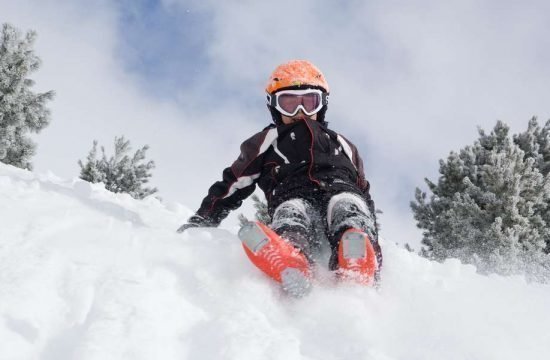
<point x="290" y="102"/>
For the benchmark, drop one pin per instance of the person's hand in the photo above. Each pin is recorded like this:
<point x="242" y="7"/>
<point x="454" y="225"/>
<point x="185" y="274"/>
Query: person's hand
<point x="193" y="222"/>
<point x="186" y="226"/>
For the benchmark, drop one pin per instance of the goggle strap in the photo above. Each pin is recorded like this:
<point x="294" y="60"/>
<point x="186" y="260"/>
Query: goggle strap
<point x="271" y="100"/>
<point x="324" y="98"/>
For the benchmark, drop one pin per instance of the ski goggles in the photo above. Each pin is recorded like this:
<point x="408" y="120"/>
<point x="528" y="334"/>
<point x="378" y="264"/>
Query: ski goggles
<point x="289" y="102"/>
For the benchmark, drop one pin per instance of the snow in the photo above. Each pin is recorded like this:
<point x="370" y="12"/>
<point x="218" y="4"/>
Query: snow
<point x="87" y="274"/>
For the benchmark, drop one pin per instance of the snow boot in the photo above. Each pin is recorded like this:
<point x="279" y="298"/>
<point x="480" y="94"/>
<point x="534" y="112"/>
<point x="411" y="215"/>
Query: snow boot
<point x="277" y="258"/>
<point x="356" y="258"/>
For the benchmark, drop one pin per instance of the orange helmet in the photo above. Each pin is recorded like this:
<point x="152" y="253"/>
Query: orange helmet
<point x="296" y="73"/>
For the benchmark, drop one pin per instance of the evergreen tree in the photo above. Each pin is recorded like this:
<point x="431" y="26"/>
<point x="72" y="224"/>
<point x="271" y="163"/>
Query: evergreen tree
<point x="488" y="208"/>
<point x="120" y="173"/>
<point x="21" y="110"/>
<point x="535" y="142"/>
<point x="261" y="215"/>
<point x="261" y="210"/>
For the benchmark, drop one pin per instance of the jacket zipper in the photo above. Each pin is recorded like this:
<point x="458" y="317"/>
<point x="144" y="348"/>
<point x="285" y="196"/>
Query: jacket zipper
<point x="311" y="154"/>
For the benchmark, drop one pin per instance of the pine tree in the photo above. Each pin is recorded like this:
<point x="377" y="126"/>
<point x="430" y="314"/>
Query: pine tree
<point x="535" y="142"/>
<point x="261" y="215"/>
<point x="488" y="208"/>
<point x="21" y="110"/>
<point x="120" y="173"/>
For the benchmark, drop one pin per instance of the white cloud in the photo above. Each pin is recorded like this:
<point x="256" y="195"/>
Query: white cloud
<point x="97" y="99"/>
<point x="410" y="82"/>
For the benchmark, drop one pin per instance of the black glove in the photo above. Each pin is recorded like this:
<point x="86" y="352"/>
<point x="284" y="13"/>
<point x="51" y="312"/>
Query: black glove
<point x="194" y="221"/>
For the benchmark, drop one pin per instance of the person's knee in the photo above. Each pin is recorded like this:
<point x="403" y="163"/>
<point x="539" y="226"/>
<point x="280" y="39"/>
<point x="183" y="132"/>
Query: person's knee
<point x="349" y="210"/>
<point x="292" y="220"/>
<point x="294" y="213"/>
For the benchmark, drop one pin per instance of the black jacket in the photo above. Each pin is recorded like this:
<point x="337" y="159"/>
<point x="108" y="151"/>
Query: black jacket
<point x="304" y="159"/>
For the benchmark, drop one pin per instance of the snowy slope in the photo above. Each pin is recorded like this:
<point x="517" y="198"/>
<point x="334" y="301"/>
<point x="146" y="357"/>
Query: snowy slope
<point x="86" y="274"/>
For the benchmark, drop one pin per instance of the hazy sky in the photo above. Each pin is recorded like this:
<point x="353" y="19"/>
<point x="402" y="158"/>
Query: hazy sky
<point x="410" y="81"/>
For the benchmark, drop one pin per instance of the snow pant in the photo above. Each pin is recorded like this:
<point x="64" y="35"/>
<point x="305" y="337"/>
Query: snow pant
<point x="303" y="224"/>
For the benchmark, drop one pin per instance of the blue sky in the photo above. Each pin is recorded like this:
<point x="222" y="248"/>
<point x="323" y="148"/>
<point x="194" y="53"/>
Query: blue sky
<point x="410" y="81"/>
<point x="163" y="47"/>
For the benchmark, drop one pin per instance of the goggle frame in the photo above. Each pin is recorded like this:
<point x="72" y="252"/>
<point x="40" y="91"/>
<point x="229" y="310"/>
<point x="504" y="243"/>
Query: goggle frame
<point x="273" y="101"/>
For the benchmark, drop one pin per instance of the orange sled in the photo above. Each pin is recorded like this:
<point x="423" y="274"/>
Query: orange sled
<point x="356" y="257"/>
<point x="276" y="257"/>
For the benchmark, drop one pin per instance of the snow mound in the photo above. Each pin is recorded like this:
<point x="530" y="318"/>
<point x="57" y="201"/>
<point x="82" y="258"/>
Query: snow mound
<point x="87" y="274"/>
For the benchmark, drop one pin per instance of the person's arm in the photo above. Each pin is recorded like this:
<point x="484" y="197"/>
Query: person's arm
<point x="362" y="181"/>
<point x="238" y="182"/>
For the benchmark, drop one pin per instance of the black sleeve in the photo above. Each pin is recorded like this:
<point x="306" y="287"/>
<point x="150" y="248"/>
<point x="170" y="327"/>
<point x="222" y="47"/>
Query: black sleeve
<point x="238" y="182"/>
<point x="362" y="181"/>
